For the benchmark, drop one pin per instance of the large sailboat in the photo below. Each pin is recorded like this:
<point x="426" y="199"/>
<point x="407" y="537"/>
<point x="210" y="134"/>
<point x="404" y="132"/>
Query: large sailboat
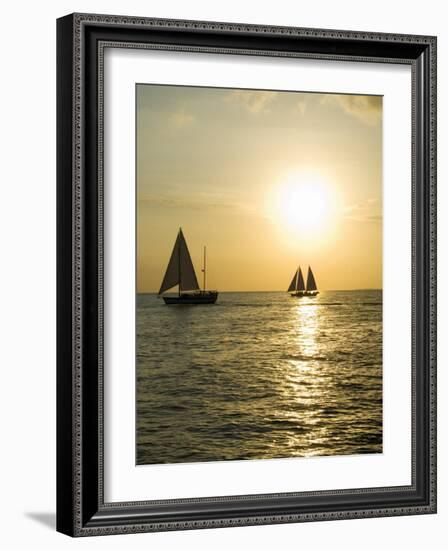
<point x="180" y="272"/>
<point x="298" y="288"/>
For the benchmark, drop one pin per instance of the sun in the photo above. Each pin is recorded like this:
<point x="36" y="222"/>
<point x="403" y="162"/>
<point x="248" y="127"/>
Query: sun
<point x="304" y="203"/>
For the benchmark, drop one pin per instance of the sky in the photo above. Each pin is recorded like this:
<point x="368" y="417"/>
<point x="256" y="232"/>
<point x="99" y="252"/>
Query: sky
<point x="266" y="180"/>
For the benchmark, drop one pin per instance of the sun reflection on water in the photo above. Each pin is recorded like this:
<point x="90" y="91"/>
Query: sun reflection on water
<point x="307" y="382"/>
<point x="307" y="320"/>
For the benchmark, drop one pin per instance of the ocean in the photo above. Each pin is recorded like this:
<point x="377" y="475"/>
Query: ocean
<point x="259" y="375"/>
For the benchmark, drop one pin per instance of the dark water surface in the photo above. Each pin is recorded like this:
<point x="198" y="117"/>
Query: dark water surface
<point x="259" y="375"/>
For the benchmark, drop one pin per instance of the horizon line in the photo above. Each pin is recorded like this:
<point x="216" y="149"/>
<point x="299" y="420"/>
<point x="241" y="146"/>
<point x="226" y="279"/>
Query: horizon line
<point x="285" y="291"/>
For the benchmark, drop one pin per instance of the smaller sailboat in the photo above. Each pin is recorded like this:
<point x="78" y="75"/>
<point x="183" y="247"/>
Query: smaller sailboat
<point x="297" y="286"/>
<point x="180" y="272"/>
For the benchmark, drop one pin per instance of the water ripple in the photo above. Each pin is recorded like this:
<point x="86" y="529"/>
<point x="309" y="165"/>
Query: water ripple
<point x="259" y="375"/>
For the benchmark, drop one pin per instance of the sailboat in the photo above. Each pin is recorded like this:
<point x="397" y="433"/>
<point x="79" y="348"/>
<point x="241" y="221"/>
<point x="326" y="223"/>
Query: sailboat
<point x="297" y="286"/>
<point x="180" y="272"/>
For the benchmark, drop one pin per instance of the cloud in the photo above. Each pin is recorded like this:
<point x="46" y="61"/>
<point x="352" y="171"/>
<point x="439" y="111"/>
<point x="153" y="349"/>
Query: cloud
<point x="180" y="119"/>
<point x="254" y="102"/>
<point x="366" y="108"/>
<point x="365" y="211"/>
<point x="201" y="202"/>
<point x="194" y="203"/>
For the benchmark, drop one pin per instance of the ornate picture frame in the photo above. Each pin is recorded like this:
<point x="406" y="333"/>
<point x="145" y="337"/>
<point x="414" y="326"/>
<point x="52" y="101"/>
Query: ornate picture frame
<point x="81" y="506"/>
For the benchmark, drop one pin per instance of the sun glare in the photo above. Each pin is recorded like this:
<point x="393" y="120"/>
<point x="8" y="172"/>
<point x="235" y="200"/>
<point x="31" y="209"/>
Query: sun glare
<point x="304" y="203"/>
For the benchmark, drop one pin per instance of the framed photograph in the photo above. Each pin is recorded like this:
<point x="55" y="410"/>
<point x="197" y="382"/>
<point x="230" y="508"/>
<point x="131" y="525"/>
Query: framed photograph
<point x="246" y="274"/>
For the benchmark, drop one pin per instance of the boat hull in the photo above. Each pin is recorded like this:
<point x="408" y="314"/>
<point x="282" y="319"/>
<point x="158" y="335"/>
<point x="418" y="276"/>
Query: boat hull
<point x="305" y="294"/>
<point x="196" y="298"/>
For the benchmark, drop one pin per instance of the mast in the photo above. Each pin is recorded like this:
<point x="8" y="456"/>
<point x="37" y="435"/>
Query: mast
<point x="178" y="263"/>
<point x="204" y="269"/>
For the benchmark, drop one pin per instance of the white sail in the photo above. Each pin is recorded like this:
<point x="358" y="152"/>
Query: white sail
<point x="292" y="286"/>
<point x="180" y="270"/>
<point x="300" y="282"/>
<point x="310" y="281"/>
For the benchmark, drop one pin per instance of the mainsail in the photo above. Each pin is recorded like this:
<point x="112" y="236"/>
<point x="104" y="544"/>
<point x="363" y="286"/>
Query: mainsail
<point x="300" y="282"/>
<point x="180" y="270"/>
<point x="292" y="286"/>
<point x="310" y="281"/>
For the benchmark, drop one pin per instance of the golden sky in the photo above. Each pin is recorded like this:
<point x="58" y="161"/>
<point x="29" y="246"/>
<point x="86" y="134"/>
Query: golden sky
<point x="266" y="180"/>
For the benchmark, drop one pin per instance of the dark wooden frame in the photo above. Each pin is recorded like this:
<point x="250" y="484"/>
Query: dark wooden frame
<point x="81" y="510"/>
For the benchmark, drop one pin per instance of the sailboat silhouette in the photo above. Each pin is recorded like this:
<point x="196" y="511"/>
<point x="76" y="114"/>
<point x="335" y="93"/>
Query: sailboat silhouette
<point x="297" y="286"/>
<point x="180" y="271"/>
